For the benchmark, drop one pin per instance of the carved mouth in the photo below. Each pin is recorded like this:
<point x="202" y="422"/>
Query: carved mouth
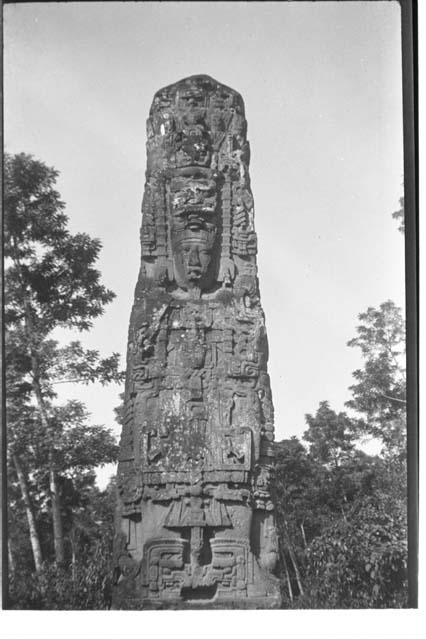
<point x="194" y="274"/>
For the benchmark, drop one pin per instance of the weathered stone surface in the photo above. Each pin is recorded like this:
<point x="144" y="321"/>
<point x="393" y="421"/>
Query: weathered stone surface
<point x="196" y="520"/>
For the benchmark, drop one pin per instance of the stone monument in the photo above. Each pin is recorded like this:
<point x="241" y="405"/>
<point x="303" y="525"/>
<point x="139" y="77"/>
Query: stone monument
<point x="195" y="515"/>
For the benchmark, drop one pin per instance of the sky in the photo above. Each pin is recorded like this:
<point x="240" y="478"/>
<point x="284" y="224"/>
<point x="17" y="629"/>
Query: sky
<point x="322" y="89"/>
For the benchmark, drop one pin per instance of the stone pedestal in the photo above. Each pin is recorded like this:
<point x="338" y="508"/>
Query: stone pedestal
<point x="195" y="521"/>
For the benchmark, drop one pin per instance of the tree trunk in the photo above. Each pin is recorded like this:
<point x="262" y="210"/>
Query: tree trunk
<point x="296" y="568"/>
<point x="302" y="529"/>
<point x="287" y="576"/>
<point x="35" y="541"/>
<point x="342" y="509"/>
<point x="10" y="558"/>
<point x="294" y="561"/>
<point x="73" y="542"/>
<point x="58" y="532"/>
<point x="58" y="536"/>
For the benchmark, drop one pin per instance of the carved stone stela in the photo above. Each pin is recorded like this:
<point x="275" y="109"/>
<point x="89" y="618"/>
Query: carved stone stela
<point x="195" y="517"/>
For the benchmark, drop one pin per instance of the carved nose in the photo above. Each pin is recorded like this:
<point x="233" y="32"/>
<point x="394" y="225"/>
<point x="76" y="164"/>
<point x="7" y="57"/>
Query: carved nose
<point x="194" y="260"/>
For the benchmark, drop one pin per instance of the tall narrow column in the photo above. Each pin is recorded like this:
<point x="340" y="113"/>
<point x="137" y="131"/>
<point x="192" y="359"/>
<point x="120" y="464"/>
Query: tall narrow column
<point x="195" y="521"/>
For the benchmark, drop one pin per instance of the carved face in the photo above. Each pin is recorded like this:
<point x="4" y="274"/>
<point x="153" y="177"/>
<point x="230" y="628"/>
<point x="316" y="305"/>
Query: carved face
<point x="193" y="229"/>
<point x="192" y="260"/>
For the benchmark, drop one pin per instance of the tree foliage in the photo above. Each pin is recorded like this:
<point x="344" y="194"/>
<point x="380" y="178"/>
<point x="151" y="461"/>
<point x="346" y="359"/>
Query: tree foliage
<point x="399" y="215"/>
<point x="51" y="275"/>
<point x="329" y="435"/>
<point x="51" y="282"/>
<point x="86" y="582"/>
<point x="360" y="561"/>
<point x="342" y="513"/>
<point x="379" y="392"/>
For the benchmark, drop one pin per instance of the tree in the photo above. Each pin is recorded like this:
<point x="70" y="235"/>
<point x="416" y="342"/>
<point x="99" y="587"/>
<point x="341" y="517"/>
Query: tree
<point x="342" y="530"/>
<point x="18" y="447"/>
<point x="50" y="282"/>
<point x="330" y="435"/>
<point x="360" y="561"/>
<point x="343" y="512"/>
<point x="89" y="582"/>
<point x="399" y="215"/>
<point x="298" y="504"/>
<point x="342" y="515"/>
<point x="379" y="392"/>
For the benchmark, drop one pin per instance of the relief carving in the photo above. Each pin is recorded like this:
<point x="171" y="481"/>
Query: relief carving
<point x="195" y="514"/>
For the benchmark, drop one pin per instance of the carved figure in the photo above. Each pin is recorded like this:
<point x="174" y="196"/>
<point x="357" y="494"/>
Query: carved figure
<point x="195" y="519"/>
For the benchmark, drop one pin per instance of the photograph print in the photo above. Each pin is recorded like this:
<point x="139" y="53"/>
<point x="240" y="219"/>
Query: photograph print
<point x="205" y="306"/>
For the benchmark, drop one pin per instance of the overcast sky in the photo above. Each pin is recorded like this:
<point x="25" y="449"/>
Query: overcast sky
<point x="322" y="88"/>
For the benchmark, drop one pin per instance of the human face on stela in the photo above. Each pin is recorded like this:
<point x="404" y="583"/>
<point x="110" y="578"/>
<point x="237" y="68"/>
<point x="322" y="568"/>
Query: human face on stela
<point x="192" y="261"/>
